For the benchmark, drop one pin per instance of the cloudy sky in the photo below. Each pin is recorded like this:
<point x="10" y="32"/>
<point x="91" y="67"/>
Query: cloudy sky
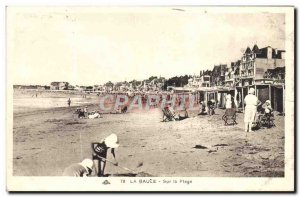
<point x="87" y="46"/>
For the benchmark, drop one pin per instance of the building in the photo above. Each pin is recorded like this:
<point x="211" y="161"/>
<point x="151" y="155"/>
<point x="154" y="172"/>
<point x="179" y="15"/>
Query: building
<point x="230" y="76"/>
<point x="194" y="82"/>
<point x="256" y="62"/>
<point x="59" y="86"/>
<point x="98" y="88"/>
<point x="256" y="67"/>
<point x="199" y="81"/>
<point x="218" y="75"/>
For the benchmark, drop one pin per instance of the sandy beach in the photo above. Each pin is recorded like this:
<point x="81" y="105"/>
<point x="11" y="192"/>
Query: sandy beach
<point x="45" y="141"/>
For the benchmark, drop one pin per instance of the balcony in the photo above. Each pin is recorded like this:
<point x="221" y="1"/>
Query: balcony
<point x="229" y="78"/>
<point x="247" y="76"/>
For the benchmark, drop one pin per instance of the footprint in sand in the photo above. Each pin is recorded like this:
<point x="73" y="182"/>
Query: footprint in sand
<point x="220" y="145"/>
<point x="237" y="164"/>
<point x="212" y="151"/>
<point x="35" y="148"/>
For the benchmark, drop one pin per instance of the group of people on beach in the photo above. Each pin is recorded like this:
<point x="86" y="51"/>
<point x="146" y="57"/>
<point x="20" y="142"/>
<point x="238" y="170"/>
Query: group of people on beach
<point x="210" y="107"/>
<point x="84" y="113"/>
<point x="253" y="107"/>
<point x="98" y="159"/>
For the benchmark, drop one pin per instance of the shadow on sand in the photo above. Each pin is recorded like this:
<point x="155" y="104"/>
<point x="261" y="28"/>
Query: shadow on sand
<point x="140" y="174"/>
<point x="200" y="147"/>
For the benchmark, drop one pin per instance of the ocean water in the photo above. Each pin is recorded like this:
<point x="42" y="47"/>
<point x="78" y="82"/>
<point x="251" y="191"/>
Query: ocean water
<point x="33" y="103"/>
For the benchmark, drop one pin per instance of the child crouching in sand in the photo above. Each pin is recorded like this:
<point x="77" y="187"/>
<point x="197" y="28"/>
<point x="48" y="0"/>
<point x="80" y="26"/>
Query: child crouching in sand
<point x="100" y="152"/>
<point x="79" y="169"/>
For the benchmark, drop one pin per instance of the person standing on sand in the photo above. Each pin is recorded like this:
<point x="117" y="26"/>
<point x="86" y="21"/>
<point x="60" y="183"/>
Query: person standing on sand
<point x="228" y="103"/>
<point x="203" y="108"/>
<point x="251" y="102"/>
<point x="100" y="152"/>
<point x="85" y="111"/>
<point x="69" y="102"/>
<point x="211" y="107"/>
<point x="79" y="169"/>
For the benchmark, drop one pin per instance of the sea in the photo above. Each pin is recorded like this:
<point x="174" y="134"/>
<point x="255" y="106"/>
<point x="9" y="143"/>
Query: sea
<point x="23" y="102"/>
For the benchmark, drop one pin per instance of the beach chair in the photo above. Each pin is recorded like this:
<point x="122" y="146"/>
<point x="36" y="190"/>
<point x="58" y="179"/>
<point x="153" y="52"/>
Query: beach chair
<point x="267" y="119"/>
<point x="168" y="115"/>
<point x="230" y="114"/>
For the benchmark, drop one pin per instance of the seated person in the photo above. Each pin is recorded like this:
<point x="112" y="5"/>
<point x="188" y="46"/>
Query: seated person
<point x="185" y="115"/>
<point x="94" y="115"/>
<point x="81" y="114"/>
<point x="267" y="107"/>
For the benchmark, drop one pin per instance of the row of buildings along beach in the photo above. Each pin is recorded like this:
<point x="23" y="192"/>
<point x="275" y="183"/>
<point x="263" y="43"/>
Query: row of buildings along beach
<point x="260" y="68"/>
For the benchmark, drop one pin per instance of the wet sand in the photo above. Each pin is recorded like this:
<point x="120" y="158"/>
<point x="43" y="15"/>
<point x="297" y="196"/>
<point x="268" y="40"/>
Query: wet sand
<point x="46" y="141"/>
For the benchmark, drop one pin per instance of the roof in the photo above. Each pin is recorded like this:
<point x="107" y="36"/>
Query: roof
<point x="255" y="49"/>
<point x="262" y="53"/>
<point x="248" y="50"/>
<point x="216" y="67"/>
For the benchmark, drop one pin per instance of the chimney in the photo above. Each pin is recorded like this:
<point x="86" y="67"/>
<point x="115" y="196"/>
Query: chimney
<point x="269" y="52"/>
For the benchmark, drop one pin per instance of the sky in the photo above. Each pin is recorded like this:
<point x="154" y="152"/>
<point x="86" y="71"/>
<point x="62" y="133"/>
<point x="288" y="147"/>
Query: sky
<point x="88" y="46"/>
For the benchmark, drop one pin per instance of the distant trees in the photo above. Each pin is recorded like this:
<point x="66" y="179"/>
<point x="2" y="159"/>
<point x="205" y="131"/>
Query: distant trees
<point x="174" y="81"/>
<point x="135" y="83"/>
<point x="59" y="85"/>
<point x="152" y="77"/>
<point x="177" y="81"/>
<point x="110" y="84"/>
<point x="89" y="88"/>
<point x="66" y="85"/>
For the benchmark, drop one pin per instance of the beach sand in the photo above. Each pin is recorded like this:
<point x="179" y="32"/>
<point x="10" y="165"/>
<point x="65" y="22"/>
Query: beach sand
<point x="47" y="141"/>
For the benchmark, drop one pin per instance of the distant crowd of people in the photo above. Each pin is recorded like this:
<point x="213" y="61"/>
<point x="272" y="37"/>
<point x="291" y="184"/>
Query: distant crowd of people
<point x="252" y="107"/>
<point x="84" y="113"/>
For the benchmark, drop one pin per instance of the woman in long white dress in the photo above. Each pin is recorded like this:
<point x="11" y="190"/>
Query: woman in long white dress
<point x="251" y="102"/>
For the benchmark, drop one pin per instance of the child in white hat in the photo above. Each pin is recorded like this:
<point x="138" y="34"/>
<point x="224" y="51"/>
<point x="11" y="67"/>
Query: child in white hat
<point x="100" y="152"/>
<point x="79" y="169"/>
